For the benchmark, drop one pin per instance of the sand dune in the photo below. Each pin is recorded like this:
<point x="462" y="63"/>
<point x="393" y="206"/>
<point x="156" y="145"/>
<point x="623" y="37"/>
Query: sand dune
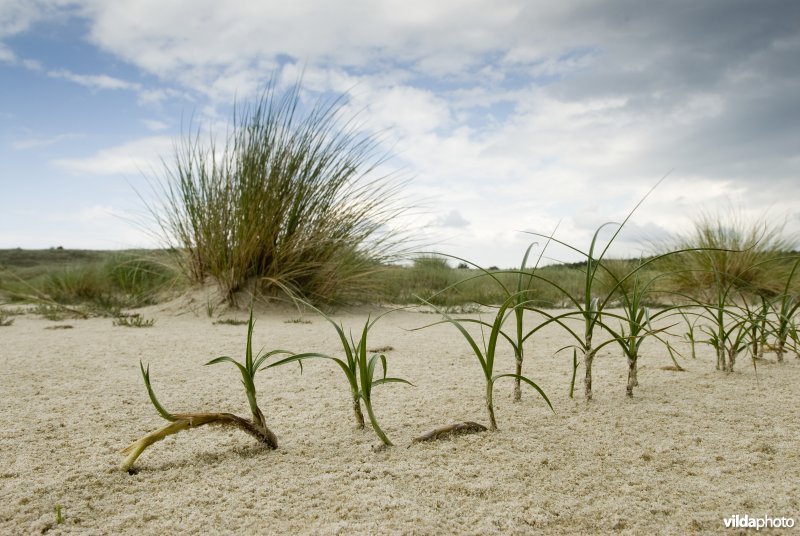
<point x="689" y="450"/>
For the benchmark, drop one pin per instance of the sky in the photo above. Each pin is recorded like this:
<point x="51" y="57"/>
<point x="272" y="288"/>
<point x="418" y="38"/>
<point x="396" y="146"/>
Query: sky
<point x="505" y="115"/>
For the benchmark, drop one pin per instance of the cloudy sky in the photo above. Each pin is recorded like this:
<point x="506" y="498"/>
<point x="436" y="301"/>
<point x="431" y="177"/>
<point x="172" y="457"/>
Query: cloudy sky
<point x="508" y="115"/>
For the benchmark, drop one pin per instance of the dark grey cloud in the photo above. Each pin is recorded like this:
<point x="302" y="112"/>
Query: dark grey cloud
<point x="657" y="57"/>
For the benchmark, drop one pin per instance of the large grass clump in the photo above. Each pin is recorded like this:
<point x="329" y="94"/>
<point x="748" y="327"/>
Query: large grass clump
<point x="735" y="271"/>
<point x="293" y="201"/>
<point x="727" y="251"/>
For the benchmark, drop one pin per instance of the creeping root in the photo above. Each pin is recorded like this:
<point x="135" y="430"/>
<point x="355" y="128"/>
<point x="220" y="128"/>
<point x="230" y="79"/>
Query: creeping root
<point x="186" y="421"/>
<point x="466" y="427"/>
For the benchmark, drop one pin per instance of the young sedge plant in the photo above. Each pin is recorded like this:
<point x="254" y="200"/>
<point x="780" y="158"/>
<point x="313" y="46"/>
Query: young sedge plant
<point x="520" y="298"/>
<point x="358" y="368"/>
<point x="631" y="340"/>
<point x="715" y="312"/>
<point x="785" y="308"/>
<point x="519" y="313"/>
<point x="739" y="337"/>
<point x="794" y="335"/>
<point x="486" y="356"/>
<point x="590" y="308"/>
<point x="257" y="426"/>
<point x="758" y="318"/>
<point x="726" y="320"/>
<point x="637" y="324"/>
<point x="691" y="326"/>
<point x="730" y="335"/>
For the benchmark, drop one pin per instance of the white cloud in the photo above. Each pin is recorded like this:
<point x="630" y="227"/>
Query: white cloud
<point x="407" y="111"/>
<point x="32" y="65"/>
<point x="97" y="81"/>
<point x="95" y="213"/>
<point x="94" y="226"/>
<point x="451" y="219"/>
<point x="17" y="16"/>
<point x="7" y="55"/>
<point x="133" y="158"/>
<point x="439" y="38"/>
<point x="155" y="125"/>
<point x="35" y="143"/>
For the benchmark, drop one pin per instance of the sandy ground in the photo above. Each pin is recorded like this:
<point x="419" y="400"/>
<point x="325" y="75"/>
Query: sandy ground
<point x="690" y="449"/>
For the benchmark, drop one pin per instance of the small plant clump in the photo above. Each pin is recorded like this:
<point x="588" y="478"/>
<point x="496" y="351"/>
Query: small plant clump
<point x="486" y="356"/>
<point x="5" y="319"/>
<point x="230" y="322"/>
<point x="257" y="426"/>
<point x="786" y="308"/>
<point x="51" y="312"/>
<point x="635" y="324"/>
<point x="590" y="308"/>
<point x="727" y="265"/>
<point x="297" y="321"/>
<point x="133" y="321"/>
<point x="359" y="370"/>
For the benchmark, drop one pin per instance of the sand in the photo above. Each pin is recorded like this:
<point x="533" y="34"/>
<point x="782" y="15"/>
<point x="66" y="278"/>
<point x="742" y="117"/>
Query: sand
<point x="690" y="449"/>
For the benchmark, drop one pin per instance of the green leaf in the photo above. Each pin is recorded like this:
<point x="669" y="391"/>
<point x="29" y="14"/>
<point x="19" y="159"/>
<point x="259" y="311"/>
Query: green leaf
<point x="260" y="361"/>
<point x="367" y="376"/>
<point x="159" y="408"/>
<point x="383" y="365"/>
<point x="529" y="382"/>
<point x="392" y="380"/>
<point x="249" y="350"/>
<point x="226" y="359"/>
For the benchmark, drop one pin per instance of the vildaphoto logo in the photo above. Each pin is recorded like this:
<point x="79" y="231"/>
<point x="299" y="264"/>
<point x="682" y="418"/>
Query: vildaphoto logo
<point x="758" y="523"/>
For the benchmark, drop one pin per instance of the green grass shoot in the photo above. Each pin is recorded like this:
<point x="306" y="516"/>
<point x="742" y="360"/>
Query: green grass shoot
<point x="358" y="367"/>
<point x="257" y="426"/>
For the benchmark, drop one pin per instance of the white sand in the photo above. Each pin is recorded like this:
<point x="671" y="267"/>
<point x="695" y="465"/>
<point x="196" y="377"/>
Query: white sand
<point x="688" y="450"/>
